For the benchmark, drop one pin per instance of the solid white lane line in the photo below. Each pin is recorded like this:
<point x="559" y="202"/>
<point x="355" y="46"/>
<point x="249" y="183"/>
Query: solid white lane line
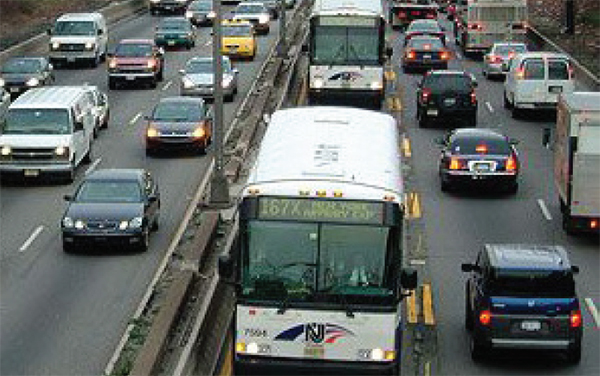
<point x="593" y="311"/>
<point x="489" y="106"/>
<point x="135" y="118"/>
<point x="545" y="210"/>
<point x="31" y="238"/>
<point x="93" y="166"/>
<point x="167" y="85"/>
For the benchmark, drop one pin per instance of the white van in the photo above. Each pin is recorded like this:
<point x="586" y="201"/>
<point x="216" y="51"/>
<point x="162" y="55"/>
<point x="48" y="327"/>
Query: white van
<point x="535" y="79"/>
<point x="78" y="36"/>
<point x="47" y="131"/>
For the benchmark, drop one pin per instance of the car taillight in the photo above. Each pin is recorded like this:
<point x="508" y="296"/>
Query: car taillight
<point x="594" y="224"/>
<point x="485" y="317"/>
<point x="445" y="55"/>
<point x="495" y="59"/>
<point x="473" y="97"/>
<point x="511" y="163"/>
<point x="411" y="54"/>
<point x="575" y="319"/>
<point x="475" y="26"/>
<point x="426" y="95"/>
<point x="456" y="164"/>
<point x="520" y="73"/>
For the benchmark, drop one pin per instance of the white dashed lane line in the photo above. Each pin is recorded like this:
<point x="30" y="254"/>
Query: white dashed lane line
<point x="31" y="238"/>
<point x="135" y="118"/>
<point x="489" y="106"/>
<point x="593" y="311"/>
<point x="544" y="209"/>
<point x="167" y="85"/>
<point x="93" y="166"/>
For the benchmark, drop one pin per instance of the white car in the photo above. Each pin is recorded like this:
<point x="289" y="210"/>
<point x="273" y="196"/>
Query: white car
<point x="498" y="54"/>
<point x="101" y="108"/>
<point x="254" y="12"/>
<point x="197" y="79"/>
<point x="4" y="102"/>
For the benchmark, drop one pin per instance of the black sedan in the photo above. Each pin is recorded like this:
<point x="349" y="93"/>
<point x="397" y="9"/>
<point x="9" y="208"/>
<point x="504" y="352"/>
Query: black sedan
<point x="112" y="207"/>
<point x="425" y="52"/>
<point x="19" y="74"/>
<point x="175" y="32"/>
<point x="478" y="157"/>
<point x="179" y="122"/>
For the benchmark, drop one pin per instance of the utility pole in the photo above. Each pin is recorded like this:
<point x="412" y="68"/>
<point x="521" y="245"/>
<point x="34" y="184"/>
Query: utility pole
<point x="219" y="186"/>
<point x="282" y="44"/>
<point x="569" y="17"/>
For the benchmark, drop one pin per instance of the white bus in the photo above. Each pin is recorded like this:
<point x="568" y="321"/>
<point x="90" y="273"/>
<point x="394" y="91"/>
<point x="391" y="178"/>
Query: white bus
<point x="347" y="51"/>
<point x="481" y="23"/>
<point x="319" y="261"/>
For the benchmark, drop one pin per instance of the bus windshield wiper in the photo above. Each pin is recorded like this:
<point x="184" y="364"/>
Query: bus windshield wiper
<point x="356" y="56"/>
<point x="337" y="55"/>
<point x="285" y="302"/>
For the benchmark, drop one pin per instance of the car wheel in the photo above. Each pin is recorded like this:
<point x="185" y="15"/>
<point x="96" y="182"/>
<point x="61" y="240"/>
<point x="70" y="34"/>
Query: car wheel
<point x="70" y="175"/>
<point x="112" y="84"/>
<point x="145" y="241"/>
<point x="574" y="354"/>
<point x="445" y="185"/>
<point x="89" y="155"/>
<point x="567" y="224"/>
<point x="161" y="75"/>
<point x="478" y="352"/>
<point x="105" y="122"/>
<point x="150" y="152"/>
<point x="153" y="83"/>
<point x="516" y="112"/>
<point x="155" y="223"/>
<point x="229" y="98"/>
<point x="507" y="104"/>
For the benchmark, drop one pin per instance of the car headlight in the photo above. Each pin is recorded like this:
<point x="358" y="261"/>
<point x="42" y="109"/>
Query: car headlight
<point x="227" y="80"/>
<point x="55" y="45"/>
<point x="112" y="64"/>
<point x="187" y="83"/>
<point x="61" y="151"/>
<point x="68" y="222"/>
<point x="5" y="151"/>
<point x="211" y="14"/>
<point x="318" y="83"/>
<point x="198" y="132"/>
<point x="152" y="132"/>
<point x="263" y="19"/>
<point x="32" y="82"/>
<point x="2" y="82"/>
<point x="189" y="14"/>
<point x="89" y="46"/>
<point x="79" y="224"/>
<point x="376" y="85"/>
<point x="136" y="222"/>
<point x="123" y="225"/>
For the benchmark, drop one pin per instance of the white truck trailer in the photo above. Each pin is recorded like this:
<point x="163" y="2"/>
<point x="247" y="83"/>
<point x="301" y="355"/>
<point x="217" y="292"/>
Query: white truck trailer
<point x="577" y="161"/>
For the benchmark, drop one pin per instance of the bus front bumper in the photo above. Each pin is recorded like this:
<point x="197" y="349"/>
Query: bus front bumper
<point x="360" y="98"/>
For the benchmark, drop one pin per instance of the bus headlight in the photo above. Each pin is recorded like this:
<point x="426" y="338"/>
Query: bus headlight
<point x="32" y="82"/>
<point x="136" y="222"/>
<point x="252" y="348"/>
<point x="376" y="85"/>
<point x="263" y="19"/>
<point x="55" y="45"/>
<point x="5" y="151"/>
<point x="318" y="83"/>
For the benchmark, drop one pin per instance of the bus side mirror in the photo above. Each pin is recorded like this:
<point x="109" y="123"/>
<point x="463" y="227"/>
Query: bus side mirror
<point x="408" y="278"/>
<point x="225" y="266"/>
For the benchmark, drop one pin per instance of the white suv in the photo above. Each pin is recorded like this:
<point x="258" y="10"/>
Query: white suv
<point x="535" y="79"/>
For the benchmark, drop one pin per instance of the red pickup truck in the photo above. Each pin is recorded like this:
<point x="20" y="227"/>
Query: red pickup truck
<point x="134" y="61"/>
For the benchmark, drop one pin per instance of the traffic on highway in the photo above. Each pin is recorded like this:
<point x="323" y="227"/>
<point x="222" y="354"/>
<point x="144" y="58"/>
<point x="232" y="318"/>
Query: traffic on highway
<point x="427" y="203"/>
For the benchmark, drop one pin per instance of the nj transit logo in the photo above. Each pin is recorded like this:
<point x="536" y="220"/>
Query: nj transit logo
<point x="314" y="333"/>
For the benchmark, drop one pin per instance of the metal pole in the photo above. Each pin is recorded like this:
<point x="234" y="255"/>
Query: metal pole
<point x="219" y="186"/>
<point x="282" y="45"/>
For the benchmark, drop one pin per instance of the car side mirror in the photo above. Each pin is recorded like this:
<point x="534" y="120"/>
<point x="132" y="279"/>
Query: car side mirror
<point x="225" y="266"/>
<point x="408" y="278"/>
<point x="68" y="197"/>
<point x="469" y="267"/>
<point x="100" y="32"/>
<point x="147" y="117"/>
<point x="152" y="198"/>
<point x="546" y="137"/>
<point x="574" y="269"/>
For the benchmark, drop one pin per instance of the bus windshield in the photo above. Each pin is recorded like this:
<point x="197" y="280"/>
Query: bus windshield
<point x="345" y="45"/>
<point x="297" y="261"/>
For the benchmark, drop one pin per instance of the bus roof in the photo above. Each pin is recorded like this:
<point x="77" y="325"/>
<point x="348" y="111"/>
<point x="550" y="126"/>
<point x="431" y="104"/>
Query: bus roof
<point x="307" y="150"/>
<point x="338" y="7"/>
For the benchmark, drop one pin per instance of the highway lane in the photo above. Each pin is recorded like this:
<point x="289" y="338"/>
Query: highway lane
<point x="64" y="314"/>
<point x="454" y="226"/>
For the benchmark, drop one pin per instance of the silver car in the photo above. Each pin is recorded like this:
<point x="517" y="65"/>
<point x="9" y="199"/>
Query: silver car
<point x="101" y="107"/>
<point x="197" y="79"/>
<point x="498" y="54"/>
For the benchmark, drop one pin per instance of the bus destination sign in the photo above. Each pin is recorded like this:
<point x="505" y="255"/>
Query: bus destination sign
<point x="345" y="211"/>
<point x="347" y="21"/>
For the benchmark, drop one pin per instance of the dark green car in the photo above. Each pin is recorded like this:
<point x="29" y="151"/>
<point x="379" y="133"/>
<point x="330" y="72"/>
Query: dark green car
<point x="175" y="32"/>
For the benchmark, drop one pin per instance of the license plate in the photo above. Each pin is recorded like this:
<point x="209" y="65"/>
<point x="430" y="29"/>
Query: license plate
<point x="531" y="326"/>
<point x="130" y="78"/>
<point x="432" y="112"/>
<point x="31" y="172"/>
<point x="481" y="167"/>
<point x="14" y="89"/>
<point x="556" y="89"/>
<point x="314" y="352"/>
<point x="171" y="42"/>
<point x="426" y="56"/>
<point x="70" y="59"/>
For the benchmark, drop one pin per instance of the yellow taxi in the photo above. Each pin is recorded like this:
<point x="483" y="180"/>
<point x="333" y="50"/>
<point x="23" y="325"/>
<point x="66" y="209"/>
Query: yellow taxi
<point x="238" y="39"/>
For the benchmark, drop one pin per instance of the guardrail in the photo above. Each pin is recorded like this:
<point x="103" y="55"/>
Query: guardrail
<point x="582" y="74"/>
<point x="37" y="45"/>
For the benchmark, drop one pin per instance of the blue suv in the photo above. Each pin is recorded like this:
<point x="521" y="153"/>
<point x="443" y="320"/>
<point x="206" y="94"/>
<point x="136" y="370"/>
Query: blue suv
<point x="522" y="296"/>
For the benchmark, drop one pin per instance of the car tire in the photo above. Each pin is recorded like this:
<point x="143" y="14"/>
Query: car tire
<point x="153" y="83"/>
<point x="68" y="248"/>
<point x="87" y="159"/>
<point x="445" y="185"/>
<point x="155" y="224"/>
<point x="112" y="84"/>
<point x="70" y="175"/>
<point x="150" y="152"/>
<point x="516" y="112"/>
<point x="478" y="352"/>
<point x="574" y="354"/>
<point x="161" y="75"/>
<point x="230" y="97"/>
<point x="513" y="188"/>
<point x="507" y="104"/>
<point x="145" y="241"/>
<point x="104" y="124"/>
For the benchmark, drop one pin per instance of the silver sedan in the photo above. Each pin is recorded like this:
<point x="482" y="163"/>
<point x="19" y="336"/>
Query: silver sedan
<point x="197" y="79"/>
<point x="498" y="54"/>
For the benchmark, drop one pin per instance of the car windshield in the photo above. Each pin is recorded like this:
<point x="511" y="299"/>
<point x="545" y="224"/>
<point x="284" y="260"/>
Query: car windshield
<point x="109" y="191"/>
<point x="505" y="50"/>
<point x="476" y="145"/>
<point x="237" y="31"/>
<point x="248" y="8"/>
<point x="22" y="66"/>
<point x="177" y="112"/>
<point x="131" y="49"/>
<point x="74" y="28"/>
<point x="426" y="44"/>
<point x="37" y="121"/>
<point x="199" y="66"/>
<point x="540" y="283"/>
<point x="296" y="260"/>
